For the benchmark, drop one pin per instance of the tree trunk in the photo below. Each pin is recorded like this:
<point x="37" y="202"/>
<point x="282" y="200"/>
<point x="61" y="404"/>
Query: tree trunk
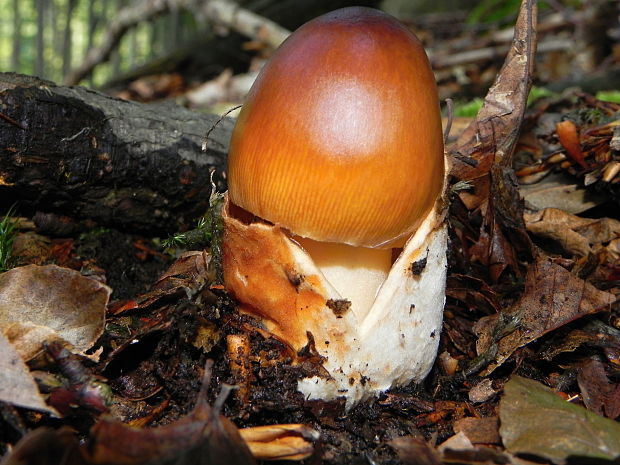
<point x="39" y="66"/>
<point x="67" y="45"/>
<point x="173" y="20"/>
<point x="116" y="56"/>
<point x="17" y="36"/>
<point x="92" y="21"/>
<point x="76" y="152"/>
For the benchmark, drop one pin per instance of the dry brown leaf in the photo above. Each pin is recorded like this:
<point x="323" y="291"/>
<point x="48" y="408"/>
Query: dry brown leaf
<point x="457" y="449"/>
<point x="575" y="234"/>
<point x="479" y="430"/>
<point x="27" y="338"/>
<point x="415" y="451"/>
<point x="559" y="190"/>
<point x="17" y="387"/>
<point x="553" y="297"/>
<point x="482" y="156"/>
<point x="61" y="299"/>
<point x="599" y="394"/>
<point x="493" y="135"/>
<point x="482" y="391"/>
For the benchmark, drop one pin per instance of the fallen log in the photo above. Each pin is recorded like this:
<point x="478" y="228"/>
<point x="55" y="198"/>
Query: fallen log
<point x="76" y="152"/>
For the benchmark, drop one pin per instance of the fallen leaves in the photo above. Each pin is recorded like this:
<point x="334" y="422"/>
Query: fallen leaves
<point x="41" y="306"/>
<point x="536" y="421"/>
<point x="204" y="436"/>
<point x="577" y="236"/>
<point x="553" y="297"/>
<point x="482" y="160"/>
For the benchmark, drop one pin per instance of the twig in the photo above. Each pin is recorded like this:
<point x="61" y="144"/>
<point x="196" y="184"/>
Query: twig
<point x="245" y="22"/>
<point x="11" y="120"/>
<point x="205" y="141"/>
<point x="222" y="12"/>
<point x="490" y="53"/>
<point x="450" y="110"/>
<point x="124" y="20"/>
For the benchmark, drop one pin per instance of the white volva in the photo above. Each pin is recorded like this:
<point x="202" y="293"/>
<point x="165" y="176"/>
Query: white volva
<point x="383" y="340"/>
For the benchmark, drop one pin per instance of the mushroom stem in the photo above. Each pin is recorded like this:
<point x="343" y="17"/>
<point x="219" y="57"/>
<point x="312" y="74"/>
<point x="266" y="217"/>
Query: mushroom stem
<point x="356" y="273"/>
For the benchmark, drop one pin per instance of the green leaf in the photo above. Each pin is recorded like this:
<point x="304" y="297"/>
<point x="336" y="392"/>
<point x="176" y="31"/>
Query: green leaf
<point x="535" y="420"/>
<point x="609" y="95"/>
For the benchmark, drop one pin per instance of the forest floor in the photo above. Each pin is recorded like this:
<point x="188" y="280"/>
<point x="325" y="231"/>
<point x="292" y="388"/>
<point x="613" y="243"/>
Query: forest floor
<point x="528" y="370"/>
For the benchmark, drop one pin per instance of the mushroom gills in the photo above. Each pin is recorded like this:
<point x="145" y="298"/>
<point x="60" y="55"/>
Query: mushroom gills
<point x="356" y="273"/>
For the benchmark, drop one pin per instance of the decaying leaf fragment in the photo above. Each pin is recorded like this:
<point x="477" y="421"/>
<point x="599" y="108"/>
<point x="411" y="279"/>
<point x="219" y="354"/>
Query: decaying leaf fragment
<point x="17" y="387"/>
<point x="536" y="421"/>
<point x="457" y="449"/>
<point x="493" y="135"/>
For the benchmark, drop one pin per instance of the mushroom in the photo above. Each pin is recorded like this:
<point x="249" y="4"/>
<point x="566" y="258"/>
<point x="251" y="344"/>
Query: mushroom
<point x="334" y="232"/>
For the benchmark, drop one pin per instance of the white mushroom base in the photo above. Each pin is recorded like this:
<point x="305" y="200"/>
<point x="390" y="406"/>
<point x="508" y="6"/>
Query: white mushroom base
<point x="396" y="341"/>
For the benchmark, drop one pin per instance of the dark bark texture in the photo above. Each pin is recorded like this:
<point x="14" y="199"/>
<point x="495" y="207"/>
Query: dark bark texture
<point x="76" y="152"/>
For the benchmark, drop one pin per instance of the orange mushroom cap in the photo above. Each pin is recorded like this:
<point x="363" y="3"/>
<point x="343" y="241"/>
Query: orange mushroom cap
<point x="340" y="137"/>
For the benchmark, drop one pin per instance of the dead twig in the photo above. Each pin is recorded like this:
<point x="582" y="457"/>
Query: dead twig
<point x="246" y="22"/>
<point x="125" y="19"/>
<point x="222" y="12"/>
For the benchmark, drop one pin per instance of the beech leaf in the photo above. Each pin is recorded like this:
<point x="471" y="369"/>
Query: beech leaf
<point x="60" y="299"/>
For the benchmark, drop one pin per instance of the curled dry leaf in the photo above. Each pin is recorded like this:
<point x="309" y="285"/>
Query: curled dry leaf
<point x="482" y="156"/>
<point x="27" y="338"/>
<point x="280" y="442"/>
<point x="61" y="299"/>
<point x="190" y="270"/>
<point x="578" y="236"/>
<point x="493" y="135"/>
<point x="553" y="297"/>
<point x="536" y="421"/>
<point x="17" y="387"/>
<point x="569" y="138"/>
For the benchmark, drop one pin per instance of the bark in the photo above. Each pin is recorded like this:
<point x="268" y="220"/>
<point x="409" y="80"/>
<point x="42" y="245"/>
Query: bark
<point x="76" y="152"/>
